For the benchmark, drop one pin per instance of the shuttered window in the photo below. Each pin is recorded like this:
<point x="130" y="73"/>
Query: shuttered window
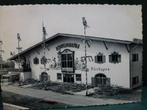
<point x="43" y="60"/>
<point x="135" y="80"/>
<point x="36" y="60"/>
<point x="135" y="57"/>
<point x="100" y="58"/>
<point x="115" y="58"/>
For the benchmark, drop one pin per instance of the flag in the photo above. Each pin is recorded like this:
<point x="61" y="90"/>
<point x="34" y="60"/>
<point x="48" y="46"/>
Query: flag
<point x="18" y="37"/>
<point x="12" y="53"/>
<point x="84" y="22"/>
<point x="1" y="42"/>
<point x="44" y="32"/>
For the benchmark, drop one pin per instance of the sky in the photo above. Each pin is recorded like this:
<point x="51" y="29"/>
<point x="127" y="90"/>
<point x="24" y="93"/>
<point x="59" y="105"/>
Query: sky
<point x="108" y="21"/>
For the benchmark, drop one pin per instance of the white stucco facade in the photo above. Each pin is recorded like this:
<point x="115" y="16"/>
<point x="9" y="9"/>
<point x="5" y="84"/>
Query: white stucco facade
<point x="120" y="74"/>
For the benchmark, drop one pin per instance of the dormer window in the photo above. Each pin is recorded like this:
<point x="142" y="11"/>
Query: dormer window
<point x="100" y="58"/>
<point x="115" y="57"/>
<point x="36" y="60"/>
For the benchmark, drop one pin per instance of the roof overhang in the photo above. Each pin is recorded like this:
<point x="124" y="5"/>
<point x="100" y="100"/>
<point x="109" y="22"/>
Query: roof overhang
<point x="73" y="36"/>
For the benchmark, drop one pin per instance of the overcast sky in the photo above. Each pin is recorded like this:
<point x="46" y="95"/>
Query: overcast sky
<point x="110" y="21"/>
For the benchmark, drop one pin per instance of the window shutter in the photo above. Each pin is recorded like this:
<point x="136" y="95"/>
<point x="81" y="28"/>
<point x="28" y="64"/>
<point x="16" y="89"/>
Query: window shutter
<point x="93" y="81"/>
<point x="119" y="58"/>
<point x="110" y="58"/>
<point x="137" y="57"/>
<point x="95" y="58"/>
<point x="104" y="59"/>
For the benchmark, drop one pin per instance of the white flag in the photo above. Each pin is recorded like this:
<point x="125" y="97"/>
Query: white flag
<point x="18" y="37"/>
<point x="84" y="22"/>
<point x="44" y="32"/>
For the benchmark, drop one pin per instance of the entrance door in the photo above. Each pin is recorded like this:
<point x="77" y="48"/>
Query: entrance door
<point x="100" y="79"/>
<point x="44" y="77"/>
<point x="68" y="78"/>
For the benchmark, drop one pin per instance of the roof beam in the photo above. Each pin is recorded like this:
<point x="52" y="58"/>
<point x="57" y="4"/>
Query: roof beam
<point x="105" y="45"/>
<point x="127" y="47"/>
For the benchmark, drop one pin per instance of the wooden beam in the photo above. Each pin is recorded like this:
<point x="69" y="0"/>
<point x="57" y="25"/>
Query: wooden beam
<point x="105" y="45"/>
<point x="127" y="47"/>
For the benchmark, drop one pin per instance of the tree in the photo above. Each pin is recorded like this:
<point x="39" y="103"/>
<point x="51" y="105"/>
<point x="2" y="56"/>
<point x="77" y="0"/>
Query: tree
<point x="1" y="102"/>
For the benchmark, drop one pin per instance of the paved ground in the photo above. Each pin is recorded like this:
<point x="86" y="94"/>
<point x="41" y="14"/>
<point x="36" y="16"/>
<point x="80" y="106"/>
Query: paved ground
<point x="7" y="106"/>
<point x="72" y="100"/>
<point x="84" y="92"/>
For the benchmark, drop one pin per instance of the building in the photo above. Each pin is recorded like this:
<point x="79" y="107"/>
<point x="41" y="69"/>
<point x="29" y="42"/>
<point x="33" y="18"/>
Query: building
<point x="5" y="66"/>
<point x="109" y="61"/>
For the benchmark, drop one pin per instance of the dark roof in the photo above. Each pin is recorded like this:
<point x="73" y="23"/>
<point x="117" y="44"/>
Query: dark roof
<point x="74" y="36"/>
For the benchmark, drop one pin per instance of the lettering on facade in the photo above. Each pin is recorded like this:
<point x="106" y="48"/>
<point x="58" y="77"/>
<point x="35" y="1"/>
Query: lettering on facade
<point x="99" y="69"/>
<point x="73" y="45"/>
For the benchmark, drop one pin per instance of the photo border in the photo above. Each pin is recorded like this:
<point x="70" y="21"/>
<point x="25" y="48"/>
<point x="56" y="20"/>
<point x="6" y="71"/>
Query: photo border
<point x="132" y="106"/>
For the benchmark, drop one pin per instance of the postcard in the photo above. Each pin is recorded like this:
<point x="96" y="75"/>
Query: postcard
<point x="70" y="55"/>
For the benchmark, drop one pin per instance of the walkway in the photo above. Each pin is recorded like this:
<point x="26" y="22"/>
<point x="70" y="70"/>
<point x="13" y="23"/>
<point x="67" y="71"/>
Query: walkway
<point x="72" y="100"/>
<point x="84" y="92"/>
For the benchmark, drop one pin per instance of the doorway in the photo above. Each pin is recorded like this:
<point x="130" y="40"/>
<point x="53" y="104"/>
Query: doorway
<point x="44" y="77"/>
<point x="68" y="78"/>
<point x="100" y="79"/>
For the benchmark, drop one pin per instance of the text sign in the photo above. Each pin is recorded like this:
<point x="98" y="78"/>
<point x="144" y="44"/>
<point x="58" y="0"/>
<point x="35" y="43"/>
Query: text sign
<point x="74" y="45"/>
<point x="99" y="69"/>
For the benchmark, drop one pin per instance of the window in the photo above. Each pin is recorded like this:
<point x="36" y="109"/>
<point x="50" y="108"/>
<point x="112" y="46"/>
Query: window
<point x="135" y="57"/>
<point x="43" y="60"/>
<point x="100" y="58"/>
<point x="135" y="80"/>
<point x="59" y="76"/>
<point x="44" y="77"/>
<point x="67" y="60"/>
<point x="115" y="57"/>
<point x="36" y="60"/>
<point x="78" y="77"/>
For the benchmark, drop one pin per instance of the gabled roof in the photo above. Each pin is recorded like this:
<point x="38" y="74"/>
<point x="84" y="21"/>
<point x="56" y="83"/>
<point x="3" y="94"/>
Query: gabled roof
<point x="73" y="36"/>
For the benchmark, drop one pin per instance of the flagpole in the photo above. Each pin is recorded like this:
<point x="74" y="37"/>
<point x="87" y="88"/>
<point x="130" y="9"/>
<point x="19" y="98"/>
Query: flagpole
<point x="18" y="57"/>
<point x="18" y="48"/>
<point x="85" y="39"/>
<point x="44" y="38"/>
<point x="86" y="60"/>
